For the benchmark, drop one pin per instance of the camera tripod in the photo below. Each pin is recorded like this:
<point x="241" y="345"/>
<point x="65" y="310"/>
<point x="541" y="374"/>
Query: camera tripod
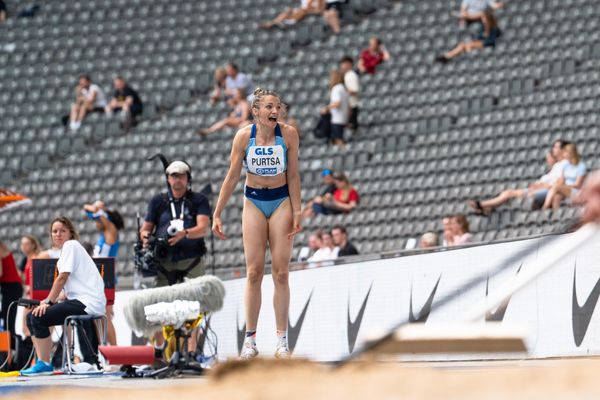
<point x="179" y="363"/>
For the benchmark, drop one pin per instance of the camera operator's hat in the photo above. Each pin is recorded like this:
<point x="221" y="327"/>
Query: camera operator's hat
<point x="178" y="167"/>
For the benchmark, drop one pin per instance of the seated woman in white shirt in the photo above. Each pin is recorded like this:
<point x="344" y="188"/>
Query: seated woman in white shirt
<point x="293" y="15"/>
<point x="571" y="179"/>
<point x="83" y="289"/>
<point x="537" y="189"/>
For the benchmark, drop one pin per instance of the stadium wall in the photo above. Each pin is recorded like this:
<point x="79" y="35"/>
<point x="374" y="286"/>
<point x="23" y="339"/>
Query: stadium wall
<point x="333" y="307"/>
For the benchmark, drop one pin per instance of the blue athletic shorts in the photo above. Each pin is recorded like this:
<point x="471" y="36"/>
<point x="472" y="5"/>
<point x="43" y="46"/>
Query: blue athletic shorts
<point x="267" y="200"/>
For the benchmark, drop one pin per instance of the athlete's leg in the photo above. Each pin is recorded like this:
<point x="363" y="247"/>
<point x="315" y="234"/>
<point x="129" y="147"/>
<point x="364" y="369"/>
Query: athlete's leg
<point x="255" y="231"/>
<point x="280" y="225"/>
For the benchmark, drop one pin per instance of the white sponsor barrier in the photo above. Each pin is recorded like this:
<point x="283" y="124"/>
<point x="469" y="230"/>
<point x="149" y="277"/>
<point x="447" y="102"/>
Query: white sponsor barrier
<point x="333" y="307"/>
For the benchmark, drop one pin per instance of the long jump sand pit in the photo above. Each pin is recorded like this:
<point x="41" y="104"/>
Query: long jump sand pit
<point x="291" y="380"/>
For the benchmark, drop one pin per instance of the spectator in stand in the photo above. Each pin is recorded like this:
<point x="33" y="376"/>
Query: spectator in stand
<point x="285" y="118"/>
<point x="353" y="87"/>
<point x="291" y="16"/>
<point x="238" y="118"/>
<point x="338" y="107"/>
<point x="537" y="190"/>
<point x="333" y="14"/>
<point x="125" y="99"/>
<point x="340" y="239"/>
<point x="328" y="181"/>
<point x="460" y="230"/>
<point x="219" y="89"/>
<point x="30" y="247"/>
<point x="237" y="80"/>
<point x="475" y="10"/>
<point x="343" y="200"/>
<point x="327" y="250"/>
<point x="571" y="178"/>
<point x="372" y="56"/>
<point x="448" y="234"/>
<point x="314" y="243"/>
<point x="481" y="41"/>
<point x="88" y="98"/>
<point x="11" y="289"/>
<point x="428" y="240"/>
<point x="2" y="11"/>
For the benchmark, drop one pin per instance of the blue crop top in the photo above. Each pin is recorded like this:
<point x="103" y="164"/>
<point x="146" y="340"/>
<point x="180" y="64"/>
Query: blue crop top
<point x="266" y="160"/>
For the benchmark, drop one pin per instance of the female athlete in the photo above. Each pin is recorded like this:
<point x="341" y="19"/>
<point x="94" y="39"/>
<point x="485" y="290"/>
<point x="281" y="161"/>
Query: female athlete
<point x="272" y="210"/>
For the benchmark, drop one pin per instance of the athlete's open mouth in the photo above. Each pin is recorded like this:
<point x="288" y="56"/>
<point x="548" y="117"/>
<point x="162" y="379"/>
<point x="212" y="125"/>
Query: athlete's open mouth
<point x="273" y="119"/>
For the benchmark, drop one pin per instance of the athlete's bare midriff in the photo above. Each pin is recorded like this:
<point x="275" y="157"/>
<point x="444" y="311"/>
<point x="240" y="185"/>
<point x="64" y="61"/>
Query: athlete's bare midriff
<point x="265" y="182"/>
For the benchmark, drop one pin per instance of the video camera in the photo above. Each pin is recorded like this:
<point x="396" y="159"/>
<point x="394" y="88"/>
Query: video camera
<point x="147" y="259"/>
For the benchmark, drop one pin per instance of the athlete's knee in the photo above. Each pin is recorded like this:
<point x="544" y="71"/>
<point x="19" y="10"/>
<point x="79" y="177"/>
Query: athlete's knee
<point x="281" y="277"/>
<point x="254" y="275"/>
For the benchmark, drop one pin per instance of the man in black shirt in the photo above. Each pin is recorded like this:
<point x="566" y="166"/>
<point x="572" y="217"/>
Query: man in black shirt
<point x="180" y="218"/>
<point x="124" y="99"/>
<point x="340" y="239"/>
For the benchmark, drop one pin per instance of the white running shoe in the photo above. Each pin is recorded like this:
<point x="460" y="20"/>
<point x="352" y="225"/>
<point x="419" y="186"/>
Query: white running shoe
<point x="282" y="351"/>
<point x="249" y="350"/>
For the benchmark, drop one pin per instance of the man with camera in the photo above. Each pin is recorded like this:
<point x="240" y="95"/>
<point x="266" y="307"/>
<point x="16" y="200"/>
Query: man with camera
<point x="174" y="227"/>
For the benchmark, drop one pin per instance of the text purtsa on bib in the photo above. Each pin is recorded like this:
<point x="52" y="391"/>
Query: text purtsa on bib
<point x="266" y="160"/>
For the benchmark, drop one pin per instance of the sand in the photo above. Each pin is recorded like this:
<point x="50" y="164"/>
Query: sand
<point x="302" y="380"/>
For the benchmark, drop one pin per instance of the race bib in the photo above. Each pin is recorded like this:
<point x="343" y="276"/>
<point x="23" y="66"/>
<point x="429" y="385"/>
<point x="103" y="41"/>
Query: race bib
<point x="266" y="160"/>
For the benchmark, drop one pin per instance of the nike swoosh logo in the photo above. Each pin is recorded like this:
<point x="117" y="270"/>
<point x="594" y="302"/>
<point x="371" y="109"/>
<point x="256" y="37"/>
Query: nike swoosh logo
<point x="582" y="315"/>
<point x="426" y="309"/>
<point x="498" y="315"/>
<point x="354" y="326"/>
<point x="294" y="330"/>
<point x="241" y="333"/>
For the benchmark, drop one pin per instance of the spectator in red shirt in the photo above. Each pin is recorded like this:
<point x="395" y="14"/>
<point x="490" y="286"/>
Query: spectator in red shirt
<point x="372" y="56"/>
<point x="343" y="200"/>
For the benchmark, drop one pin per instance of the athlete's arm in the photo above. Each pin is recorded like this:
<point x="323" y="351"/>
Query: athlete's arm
<point x="293" y="177"/>
<point x="231" y="179"/>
